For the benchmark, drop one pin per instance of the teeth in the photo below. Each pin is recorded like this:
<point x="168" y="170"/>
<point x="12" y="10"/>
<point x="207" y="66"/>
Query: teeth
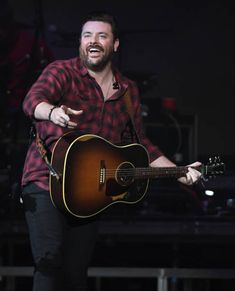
<point x="93" y="50"/>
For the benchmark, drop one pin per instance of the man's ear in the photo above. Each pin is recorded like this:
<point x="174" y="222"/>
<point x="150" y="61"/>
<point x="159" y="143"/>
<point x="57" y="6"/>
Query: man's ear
<point x="116" y="45"/>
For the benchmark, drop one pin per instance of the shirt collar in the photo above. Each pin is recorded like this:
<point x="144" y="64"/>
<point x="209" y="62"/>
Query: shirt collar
<point x="122" y="81"/>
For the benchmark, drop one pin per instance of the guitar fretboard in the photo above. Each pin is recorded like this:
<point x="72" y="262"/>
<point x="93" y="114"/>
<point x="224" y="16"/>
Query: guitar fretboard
<point x="162" y="172"/>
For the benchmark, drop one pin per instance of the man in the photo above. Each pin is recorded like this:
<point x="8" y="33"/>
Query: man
<point x="85" y="94"/>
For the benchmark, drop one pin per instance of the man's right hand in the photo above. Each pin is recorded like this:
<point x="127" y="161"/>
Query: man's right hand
<point x="60" y="116"/>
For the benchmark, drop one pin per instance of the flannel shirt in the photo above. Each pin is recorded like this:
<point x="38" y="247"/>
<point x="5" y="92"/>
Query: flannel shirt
<point x="68" y="82"/>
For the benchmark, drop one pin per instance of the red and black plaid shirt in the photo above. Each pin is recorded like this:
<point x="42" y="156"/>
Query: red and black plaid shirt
<point x="68" y="82"/>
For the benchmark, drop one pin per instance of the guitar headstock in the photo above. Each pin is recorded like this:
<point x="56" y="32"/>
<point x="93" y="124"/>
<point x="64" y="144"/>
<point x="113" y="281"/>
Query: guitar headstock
<point x="213" y="168"/>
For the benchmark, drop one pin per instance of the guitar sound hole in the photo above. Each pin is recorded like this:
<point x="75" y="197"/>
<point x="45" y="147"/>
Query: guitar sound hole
<point x="125" y="174"/>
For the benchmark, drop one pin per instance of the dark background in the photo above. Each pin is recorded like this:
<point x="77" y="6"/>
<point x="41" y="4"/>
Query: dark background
<point x="178" y="49"/>
<point x="187" y="45"/>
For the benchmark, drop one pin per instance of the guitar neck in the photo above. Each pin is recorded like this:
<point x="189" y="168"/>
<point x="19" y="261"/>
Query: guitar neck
<point x="163" y="172"/>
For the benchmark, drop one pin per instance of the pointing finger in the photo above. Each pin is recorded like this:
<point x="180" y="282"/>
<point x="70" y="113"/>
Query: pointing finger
<point x="68" y="110"/>
<point x="74" y="112"/>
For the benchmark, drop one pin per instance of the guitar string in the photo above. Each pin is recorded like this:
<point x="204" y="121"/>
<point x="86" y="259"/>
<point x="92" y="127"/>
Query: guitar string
<point x="152" y="169"/>
<point x="131" y="172"/>
<point x="148" y="168"/>
<point x="175" y="171"/>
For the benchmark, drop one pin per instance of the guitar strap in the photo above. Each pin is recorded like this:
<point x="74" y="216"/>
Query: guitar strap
<point x="44" y="154"/>
<point x="129" y="108"/>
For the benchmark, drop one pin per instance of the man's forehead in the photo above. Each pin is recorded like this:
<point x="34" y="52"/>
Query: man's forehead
<point x="96" y="26"/>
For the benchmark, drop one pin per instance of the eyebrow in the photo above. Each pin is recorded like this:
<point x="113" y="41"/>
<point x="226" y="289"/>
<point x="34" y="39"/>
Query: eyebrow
<point x="100" y="32"/>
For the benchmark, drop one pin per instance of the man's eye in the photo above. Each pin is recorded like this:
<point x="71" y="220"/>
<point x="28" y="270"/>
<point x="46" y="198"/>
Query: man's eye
<point x="86" y="35"/>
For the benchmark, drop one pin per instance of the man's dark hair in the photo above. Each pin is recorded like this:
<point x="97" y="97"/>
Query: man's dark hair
<point x="104" y="17"/>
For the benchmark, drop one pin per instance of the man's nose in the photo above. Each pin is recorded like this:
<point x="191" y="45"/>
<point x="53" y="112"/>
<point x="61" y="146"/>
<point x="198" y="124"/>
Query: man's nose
<point x="94" y="39"/>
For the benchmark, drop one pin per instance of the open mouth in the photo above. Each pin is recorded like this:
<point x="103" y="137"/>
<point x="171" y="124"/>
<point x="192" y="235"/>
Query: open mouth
<point x="94" y="50"/>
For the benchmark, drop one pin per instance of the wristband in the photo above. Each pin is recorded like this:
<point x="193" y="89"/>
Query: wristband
<point x="52" y="108"/>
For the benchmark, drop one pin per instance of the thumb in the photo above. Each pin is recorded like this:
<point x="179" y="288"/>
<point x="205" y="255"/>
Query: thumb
<point x="195" y="164"/>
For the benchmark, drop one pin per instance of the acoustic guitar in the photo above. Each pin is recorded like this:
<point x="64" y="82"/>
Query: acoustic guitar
<point x="90" y="174"/>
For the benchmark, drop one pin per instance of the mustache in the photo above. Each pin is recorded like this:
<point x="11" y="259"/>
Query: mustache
<point x="95" y="46"/>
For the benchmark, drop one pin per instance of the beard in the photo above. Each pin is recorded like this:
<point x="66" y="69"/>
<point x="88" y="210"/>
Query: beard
<point x="98" y="64"/>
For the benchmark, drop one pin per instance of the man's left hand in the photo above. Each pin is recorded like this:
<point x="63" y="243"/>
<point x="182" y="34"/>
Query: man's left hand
<point x="192" y="175"/>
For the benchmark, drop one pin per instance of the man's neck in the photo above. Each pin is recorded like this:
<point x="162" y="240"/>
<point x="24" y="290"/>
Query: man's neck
<point x="102" y="76"/>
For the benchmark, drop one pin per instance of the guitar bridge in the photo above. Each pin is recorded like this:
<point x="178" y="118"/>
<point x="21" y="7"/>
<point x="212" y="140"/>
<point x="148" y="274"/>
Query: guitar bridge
<point x="102" y="173"/>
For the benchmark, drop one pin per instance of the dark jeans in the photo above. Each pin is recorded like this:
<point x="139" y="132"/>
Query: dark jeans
<point x="61" y="245"/>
